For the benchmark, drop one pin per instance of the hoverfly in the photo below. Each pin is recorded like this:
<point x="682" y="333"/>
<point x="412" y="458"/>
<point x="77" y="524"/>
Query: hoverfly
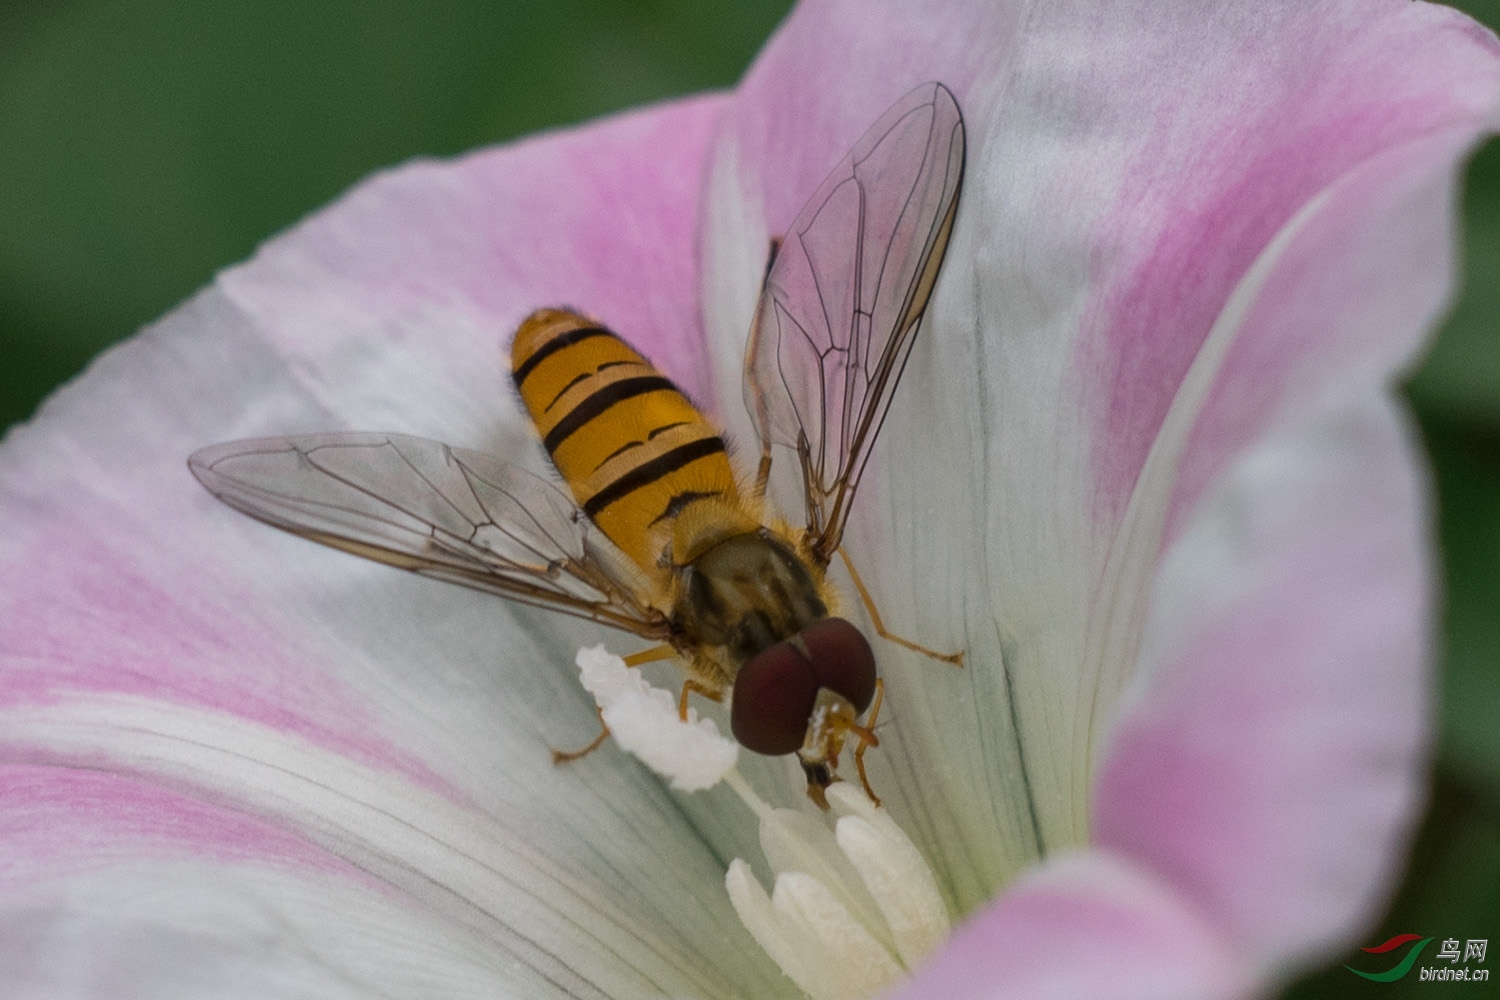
<point x="661" y="537"/>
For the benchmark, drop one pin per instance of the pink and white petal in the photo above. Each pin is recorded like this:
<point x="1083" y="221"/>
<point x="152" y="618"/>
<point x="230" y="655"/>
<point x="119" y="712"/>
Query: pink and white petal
<point x="1183" y="282"/>
<point x="398" y="724"/>
<point x="204" y="791"/>
<point x="61" y="822"/>
<point x="207" y="787"/>
<point x="399" y="301"/>
<point x="1085" y="925"/>
<point x="186" y="929"/>
<point x="1271" y="759"/>
<point x="1127" y="168"/>
<point x="118" y="887"/>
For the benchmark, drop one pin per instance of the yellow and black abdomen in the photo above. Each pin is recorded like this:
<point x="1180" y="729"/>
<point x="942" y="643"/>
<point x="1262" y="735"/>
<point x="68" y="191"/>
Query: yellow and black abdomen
<point x="631" y="446"/>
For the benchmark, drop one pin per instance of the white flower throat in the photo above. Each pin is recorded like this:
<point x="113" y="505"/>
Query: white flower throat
<point x="853" y="907"/>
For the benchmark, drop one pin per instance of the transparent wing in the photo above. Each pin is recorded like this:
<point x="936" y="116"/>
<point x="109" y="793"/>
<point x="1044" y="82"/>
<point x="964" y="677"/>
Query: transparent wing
<point x="443" y="512"/>
<point x="844" y="297"/>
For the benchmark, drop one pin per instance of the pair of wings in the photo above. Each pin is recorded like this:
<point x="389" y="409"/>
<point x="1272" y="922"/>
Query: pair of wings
<point x="842" y="302"/>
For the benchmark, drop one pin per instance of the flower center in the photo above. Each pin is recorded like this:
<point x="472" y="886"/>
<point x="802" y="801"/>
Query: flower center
<point x="853" y="908"/>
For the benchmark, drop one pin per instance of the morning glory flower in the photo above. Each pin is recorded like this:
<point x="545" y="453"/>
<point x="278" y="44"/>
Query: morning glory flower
<point x="1145" y="468"/>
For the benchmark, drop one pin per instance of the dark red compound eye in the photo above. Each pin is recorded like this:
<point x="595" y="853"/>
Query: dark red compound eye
<point x="773" y="697"/>
<point x="841" y="658"/>
<point x="775" y="691"/>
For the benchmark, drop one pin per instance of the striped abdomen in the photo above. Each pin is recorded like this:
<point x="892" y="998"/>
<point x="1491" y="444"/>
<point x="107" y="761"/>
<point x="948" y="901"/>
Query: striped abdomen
<point x="633" y="449"/>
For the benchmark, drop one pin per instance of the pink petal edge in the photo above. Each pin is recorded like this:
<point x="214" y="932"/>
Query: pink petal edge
<point x="1349" y="81"/>
<point x="1271" y="762"/>
<point x="1084" y="925"/>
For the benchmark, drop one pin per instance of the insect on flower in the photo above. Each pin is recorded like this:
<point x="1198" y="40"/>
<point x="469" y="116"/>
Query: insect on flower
<point x="661" y="537"/>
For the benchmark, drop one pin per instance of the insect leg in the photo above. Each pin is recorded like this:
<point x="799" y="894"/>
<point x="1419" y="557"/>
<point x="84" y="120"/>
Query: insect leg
<point x="662" y="652"/>
<point x="869" y="602"/>
<point x="689" y="686"/>
<point x="867" y="739"/>
<point x="568" y="756"/>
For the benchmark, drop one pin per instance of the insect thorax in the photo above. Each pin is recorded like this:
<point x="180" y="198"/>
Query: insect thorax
<point x="746" y="593"/>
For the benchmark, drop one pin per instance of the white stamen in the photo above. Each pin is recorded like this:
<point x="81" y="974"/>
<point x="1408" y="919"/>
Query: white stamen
<point x="894" y="872"/>
<point x="853" y="907"/>
<point x="760" y="919"/>
<point x="794" y="841"/>
<point x="644" y="722"/>
<point x="848" y="962"/>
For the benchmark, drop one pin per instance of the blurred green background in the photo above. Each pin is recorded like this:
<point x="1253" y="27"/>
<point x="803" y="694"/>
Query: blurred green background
<point x="146" y="143"/>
